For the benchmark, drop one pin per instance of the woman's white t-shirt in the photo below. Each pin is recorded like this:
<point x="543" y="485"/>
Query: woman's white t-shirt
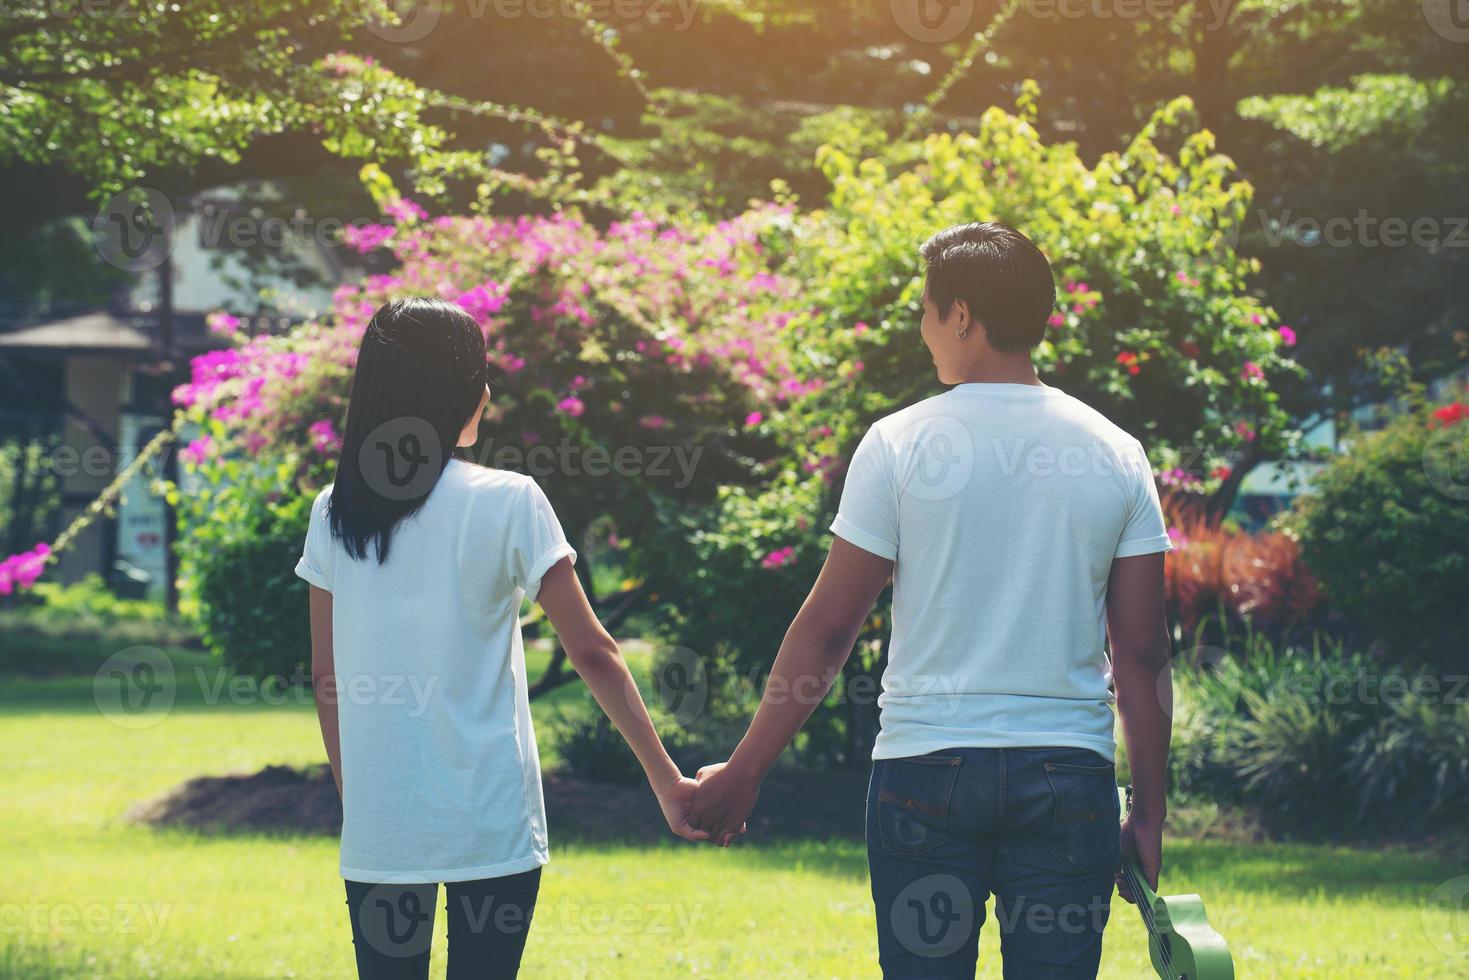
<point x="1003" y="506"/>
<point x="441" y="780"/>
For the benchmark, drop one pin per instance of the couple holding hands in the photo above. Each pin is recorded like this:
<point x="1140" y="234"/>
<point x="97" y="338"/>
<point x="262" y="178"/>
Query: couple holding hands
<point x="1027" y="603"/>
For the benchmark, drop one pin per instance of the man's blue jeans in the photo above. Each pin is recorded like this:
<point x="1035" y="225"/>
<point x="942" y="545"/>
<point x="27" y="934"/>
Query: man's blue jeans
<point x="1035" y="827"/>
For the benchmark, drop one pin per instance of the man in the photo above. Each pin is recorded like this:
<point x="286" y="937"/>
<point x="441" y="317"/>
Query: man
<point x="1022" y="532"/>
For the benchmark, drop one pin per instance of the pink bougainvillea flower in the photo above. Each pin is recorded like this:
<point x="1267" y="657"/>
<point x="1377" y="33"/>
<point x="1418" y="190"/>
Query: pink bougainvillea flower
<point x="754" y="419"/>
<point x="324" y="438"/>
<point x="778" y="557"/>
<point x="860" y="328"/>
<point x="366" y="238"/>
<point x="1252" y="372"/>
<point x="196" y="452"/>
<point x="1245" y="431"/>
<point x="653" y="422"/>
<point x="1287" y="335"/>
<point x="222" y="323"/>
<point x="1056" y="320"/>
<point x="403" y="210"/>
<point x="21" y="571"/>
<point x="483" y="301"/>
<point x="571" y="405"/>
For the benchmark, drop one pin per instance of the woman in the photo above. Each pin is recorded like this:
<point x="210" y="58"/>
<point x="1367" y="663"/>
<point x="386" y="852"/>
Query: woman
<point x="418" y="563"/>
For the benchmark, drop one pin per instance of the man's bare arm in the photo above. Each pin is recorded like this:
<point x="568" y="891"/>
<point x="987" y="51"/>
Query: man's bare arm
<point x="815" y="648"/>
<point x="1137" y="628"/>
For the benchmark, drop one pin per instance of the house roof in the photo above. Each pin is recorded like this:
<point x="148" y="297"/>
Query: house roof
<point x="99" y="331"/>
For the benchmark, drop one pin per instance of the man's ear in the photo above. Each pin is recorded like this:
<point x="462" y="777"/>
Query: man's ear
<point x="962" y="321"/>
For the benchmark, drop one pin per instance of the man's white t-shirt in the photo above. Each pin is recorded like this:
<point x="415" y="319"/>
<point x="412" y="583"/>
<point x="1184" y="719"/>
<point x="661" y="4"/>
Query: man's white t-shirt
<point x="441" y="779"/>
<point x="1003" y="506"/>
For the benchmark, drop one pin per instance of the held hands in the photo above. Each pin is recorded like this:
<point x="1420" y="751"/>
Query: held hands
<point x="723" y="802"/>
<point x="676" y="798"/>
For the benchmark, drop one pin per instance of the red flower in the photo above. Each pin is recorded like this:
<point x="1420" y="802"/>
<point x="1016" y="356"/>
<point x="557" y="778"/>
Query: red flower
<point x="1222" y="472"/>
<point x="1449" y="414"/>
<point x="1129" y="360"/>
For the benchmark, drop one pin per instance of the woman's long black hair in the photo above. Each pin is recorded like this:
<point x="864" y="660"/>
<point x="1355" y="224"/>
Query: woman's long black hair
<point x="421" y="370"/>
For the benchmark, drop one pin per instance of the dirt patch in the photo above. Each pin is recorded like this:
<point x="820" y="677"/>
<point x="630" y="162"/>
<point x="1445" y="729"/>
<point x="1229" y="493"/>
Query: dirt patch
<point x="280" y="799"/>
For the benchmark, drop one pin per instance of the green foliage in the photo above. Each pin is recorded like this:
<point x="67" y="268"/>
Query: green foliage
<point x="29" y="494"/>
<point x="89" y="601"/>
<point x="590" y="747"/>
<point x="240" y="538"/>
<point x="1141" y="246"/>
<point x="1311" y="736"/>
<point x="1388" y="544"/>
<point x="1335" y="117"/>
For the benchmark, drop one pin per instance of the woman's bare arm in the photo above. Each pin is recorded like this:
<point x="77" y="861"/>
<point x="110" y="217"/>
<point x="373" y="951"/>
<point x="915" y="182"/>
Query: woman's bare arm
<point x="324" y="679"/>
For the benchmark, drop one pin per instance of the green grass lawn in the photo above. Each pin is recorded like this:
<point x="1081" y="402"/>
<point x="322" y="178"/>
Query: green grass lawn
<point x="84" y="892"/>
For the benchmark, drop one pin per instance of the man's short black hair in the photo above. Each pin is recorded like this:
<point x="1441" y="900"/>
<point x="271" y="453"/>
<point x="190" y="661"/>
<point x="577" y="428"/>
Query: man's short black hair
<point x="1000" y="274"/>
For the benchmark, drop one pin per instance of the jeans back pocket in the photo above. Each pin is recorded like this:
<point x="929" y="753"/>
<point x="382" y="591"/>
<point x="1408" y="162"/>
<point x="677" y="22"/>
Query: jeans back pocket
<point x="913" y="797"/>
<point x="1085" y="820"/>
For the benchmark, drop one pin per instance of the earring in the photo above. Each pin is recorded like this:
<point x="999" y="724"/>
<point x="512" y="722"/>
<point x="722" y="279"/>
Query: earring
<point x="962" y="332"/>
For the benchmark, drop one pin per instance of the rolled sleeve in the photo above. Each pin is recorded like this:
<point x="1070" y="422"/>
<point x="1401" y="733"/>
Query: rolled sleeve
<point x="318" y="555"/>
<point x="1145" y="532"/>
<point x="538" y="541"/>
<point x="868" y="513"/>
<point x="865" y="540"/>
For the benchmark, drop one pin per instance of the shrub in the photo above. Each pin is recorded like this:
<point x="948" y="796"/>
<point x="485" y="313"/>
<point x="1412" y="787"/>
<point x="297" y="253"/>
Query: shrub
<point x="243" y="537"/>
<point x="1316" y="739"/>
<point x="1223" y="581"/>
<point x="1157" y="328"/>
<point x="1385" y="527"/>
<point x="637" y="338"/>
<point x="89" y="602"/>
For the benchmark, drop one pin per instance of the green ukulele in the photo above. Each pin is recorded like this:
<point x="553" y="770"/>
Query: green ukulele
<point x="1181" y="943"/>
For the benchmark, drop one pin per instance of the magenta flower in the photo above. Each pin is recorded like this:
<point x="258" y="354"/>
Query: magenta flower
<point x="406" y="211"/>
<point x="21" y="571"/>
<point x="754" y="419"/>
<point x="482" y="301"/>
<point x="366" y="238"/>
<point x="222" y="323"/>
<point x="571" y="405"/>
<point x="196" y="452"/>
<point x="1252" y="372"/>
<point x="778" y="557"/>
<point x="324" y="438"/>
<point x="1287" y="335"/>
